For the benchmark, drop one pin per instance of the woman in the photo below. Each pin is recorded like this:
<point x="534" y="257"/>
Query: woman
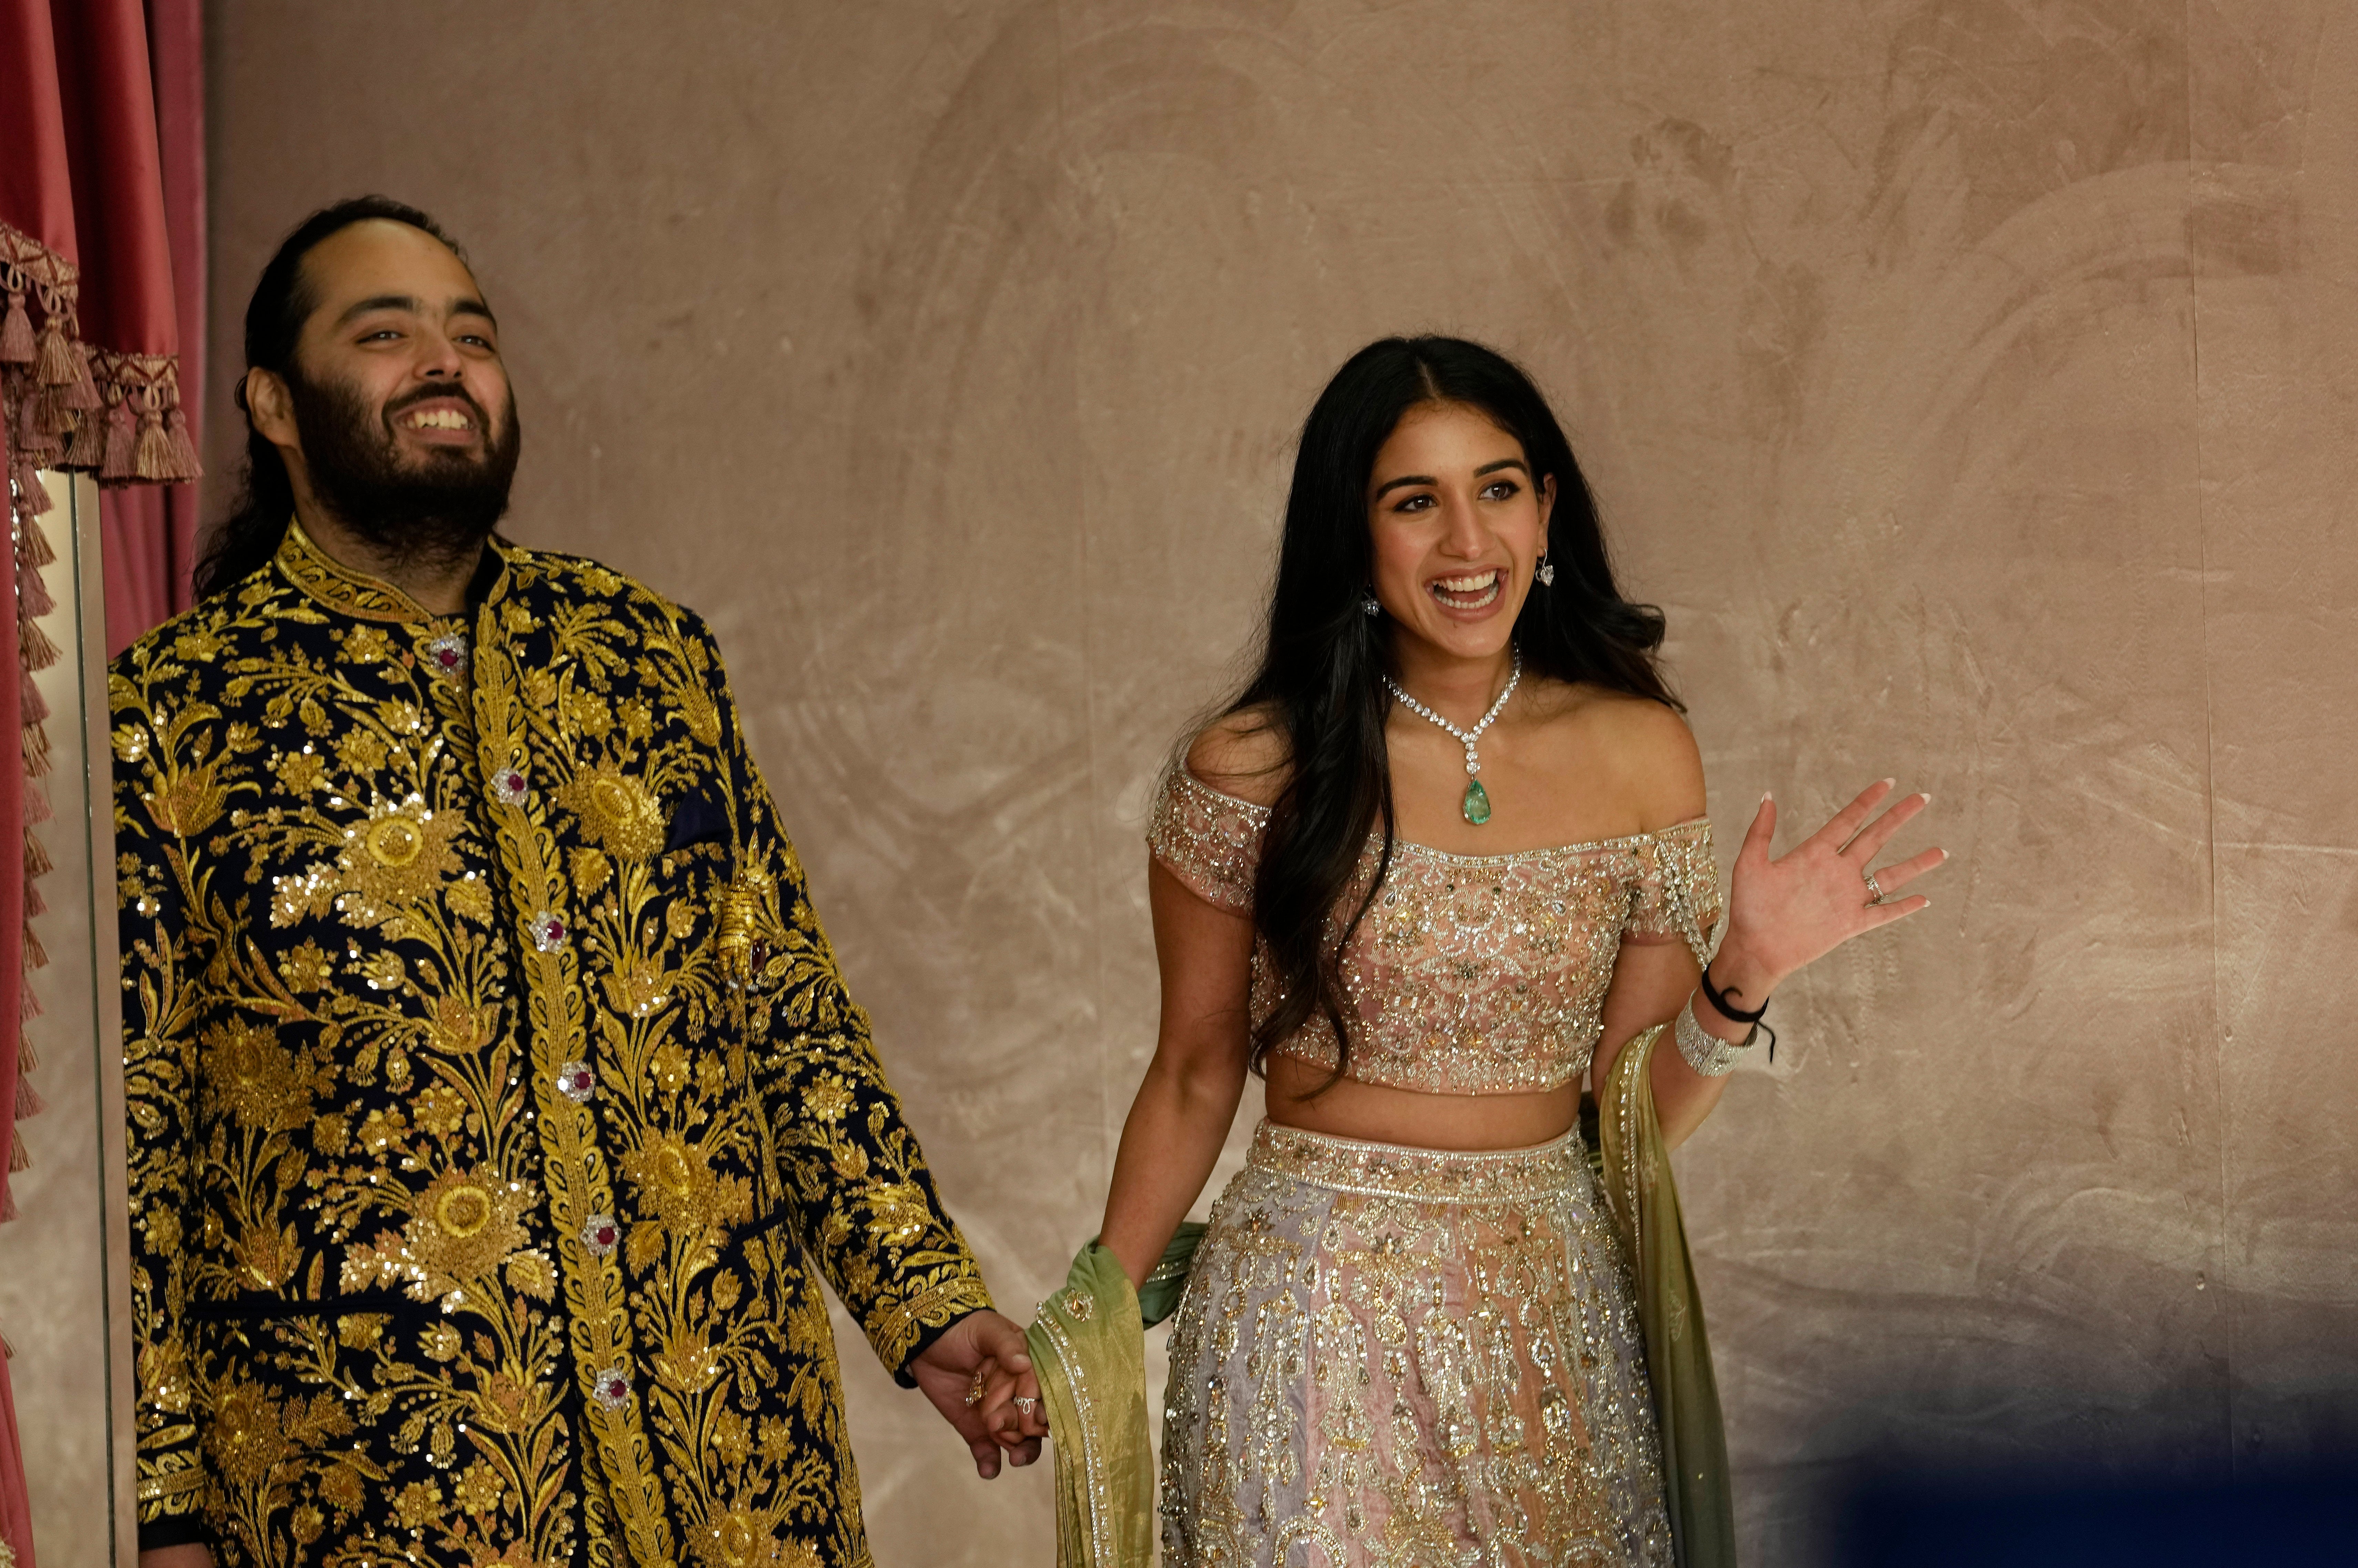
<point x="1440" y="861"/>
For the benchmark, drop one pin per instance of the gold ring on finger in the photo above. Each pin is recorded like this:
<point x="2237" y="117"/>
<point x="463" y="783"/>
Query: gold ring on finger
<point x="1874" y="889"/>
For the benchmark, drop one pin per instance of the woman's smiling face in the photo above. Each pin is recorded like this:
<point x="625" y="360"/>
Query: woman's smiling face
<point x="1458" y="525"/>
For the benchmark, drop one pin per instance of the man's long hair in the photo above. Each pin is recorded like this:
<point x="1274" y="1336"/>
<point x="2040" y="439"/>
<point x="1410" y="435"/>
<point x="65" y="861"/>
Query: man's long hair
<point x="244" y="541"/>
<point x="1320" y="684"/>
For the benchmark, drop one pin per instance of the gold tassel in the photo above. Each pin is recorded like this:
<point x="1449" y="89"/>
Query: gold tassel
<point x="35" y="957"/>
<point x="17" y="332"/>
<point x="153" y="460"/>
<point x="51" y="417"/>
<point x="185" y="465"/>
<point x="34" y="644"/>
<point x="122" y="441"/>
<point x="56" y="366"/>
<point x="83" y="393"/>
<point x="37" y="858"/>
<point x="181" y="464"/>
<point x="26" y="1061"/>
<point x="20" y="1159"/>
<point x="34" y="496"/>
<point x="32" y="594"/>
<point x="28" y="1103"/>
<point x="35" y="546"/>
<point x="37" y="750"/>
<point x="88" y="448"/>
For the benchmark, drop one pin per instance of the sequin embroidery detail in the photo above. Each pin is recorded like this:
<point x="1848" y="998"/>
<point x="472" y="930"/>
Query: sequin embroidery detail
<point x="1388" y="1358"/>
<point x="1470" y="975"/>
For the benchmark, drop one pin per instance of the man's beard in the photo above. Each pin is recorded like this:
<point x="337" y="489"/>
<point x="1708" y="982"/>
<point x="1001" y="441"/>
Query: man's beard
<point x="435" y="509"/>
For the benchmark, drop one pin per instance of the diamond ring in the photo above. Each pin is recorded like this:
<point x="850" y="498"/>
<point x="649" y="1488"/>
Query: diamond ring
<point x="1874" y="891"/>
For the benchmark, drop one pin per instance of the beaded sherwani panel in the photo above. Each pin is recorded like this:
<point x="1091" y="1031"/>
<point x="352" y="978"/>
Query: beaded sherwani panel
<point x="1469" y="974"/>
<point x="495" y="1100"/>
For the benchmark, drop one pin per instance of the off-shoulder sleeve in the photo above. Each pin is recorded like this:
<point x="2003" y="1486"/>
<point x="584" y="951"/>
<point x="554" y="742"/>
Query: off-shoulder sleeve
<point x="1676" y="893"/>
<point x="1211" y="841"/>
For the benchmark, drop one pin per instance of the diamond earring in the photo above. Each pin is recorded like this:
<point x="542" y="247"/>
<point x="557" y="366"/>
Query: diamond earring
<point x="1546" y="574"/>
<point x="1368" y="605"/>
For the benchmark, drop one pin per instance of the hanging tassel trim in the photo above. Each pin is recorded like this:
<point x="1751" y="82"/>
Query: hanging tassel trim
<point x="16" y="331"/>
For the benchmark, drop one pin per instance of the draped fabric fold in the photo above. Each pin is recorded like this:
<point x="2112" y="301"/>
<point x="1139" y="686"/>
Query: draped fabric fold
<point x="91" y="380"/>
<point x="1089" y="1347"/>
<point x="1635" y="1172"/>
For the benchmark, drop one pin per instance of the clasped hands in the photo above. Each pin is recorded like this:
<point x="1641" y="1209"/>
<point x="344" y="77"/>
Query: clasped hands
<point x="1783" y="914"/>
<point x="978" y="1374"/>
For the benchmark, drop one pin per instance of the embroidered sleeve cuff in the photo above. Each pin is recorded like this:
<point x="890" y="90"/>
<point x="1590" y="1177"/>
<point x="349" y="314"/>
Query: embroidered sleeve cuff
<point x="170" y="1503"/>
<point x="901" y="1333"/>
<point x="906" y="1378"/>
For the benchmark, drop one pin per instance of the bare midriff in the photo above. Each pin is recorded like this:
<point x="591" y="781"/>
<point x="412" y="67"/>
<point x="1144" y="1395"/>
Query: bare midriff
<point x="1413" y="1119"/>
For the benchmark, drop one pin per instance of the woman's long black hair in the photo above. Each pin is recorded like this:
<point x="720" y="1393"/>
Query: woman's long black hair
<point x="245" y="541"/>
<point x="1320" y="684"/>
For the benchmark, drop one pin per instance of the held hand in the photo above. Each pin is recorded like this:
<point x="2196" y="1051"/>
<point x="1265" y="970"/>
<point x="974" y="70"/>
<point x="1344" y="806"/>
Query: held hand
<point x="971" y="1356"/>
<point x="1788" y="912"/>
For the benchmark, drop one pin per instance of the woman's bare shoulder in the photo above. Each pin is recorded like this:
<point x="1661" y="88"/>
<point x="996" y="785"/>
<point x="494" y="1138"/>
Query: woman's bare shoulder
<point x="1648" y="754"/>
<point x="1244" y="754"/>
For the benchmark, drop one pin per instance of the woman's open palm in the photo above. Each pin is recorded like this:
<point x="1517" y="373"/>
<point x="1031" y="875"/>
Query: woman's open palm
<point x="1786" y="913"/>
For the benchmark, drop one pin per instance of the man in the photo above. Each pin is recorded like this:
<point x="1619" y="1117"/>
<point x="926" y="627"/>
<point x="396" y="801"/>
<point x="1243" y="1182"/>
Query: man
<point x="494" y="1096"/>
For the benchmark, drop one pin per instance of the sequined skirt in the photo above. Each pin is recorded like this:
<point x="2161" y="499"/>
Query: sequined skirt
<point x="1391" y="1356"/>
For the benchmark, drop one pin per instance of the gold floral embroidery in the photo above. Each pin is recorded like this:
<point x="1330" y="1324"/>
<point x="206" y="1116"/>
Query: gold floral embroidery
<point x="383" y="877"/>
<point x="617" y="813"/>
<point x="253" y="1078"/>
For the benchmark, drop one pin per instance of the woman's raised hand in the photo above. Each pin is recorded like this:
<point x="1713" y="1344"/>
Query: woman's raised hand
<point x="1787" y="913"/>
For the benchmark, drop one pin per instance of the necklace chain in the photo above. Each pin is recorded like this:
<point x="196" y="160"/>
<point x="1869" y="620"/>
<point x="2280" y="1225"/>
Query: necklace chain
<point x="1465" y="738"/>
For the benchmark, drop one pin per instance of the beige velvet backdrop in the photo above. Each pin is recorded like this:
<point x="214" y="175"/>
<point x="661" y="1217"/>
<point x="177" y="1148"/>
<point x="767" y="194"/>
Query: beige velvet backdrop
<point x="1970" y="380"/>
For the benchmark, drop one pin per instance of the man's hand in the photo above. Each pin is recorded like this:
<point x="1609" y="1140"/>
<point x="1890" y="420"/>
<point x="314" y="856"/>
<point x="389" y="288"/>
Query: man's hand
<point x="984" y="1351"/>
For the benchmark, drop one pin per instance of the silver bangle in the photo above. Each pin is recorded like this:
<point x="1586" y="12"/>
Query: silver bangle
<point x="1706" y="1053"/>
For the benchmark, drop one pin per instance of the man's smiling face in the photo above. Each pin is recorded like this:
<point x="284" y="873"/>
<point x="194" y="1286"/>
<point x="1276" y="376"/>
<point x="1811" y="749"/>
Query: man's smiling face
<point x="396" y="403"/>
<point x="398" y="324"/>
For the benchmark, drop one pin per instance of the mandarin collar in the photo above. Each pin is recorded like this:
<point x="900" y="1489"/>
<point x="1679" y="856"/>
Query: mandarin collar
<point x="365" y="598"/>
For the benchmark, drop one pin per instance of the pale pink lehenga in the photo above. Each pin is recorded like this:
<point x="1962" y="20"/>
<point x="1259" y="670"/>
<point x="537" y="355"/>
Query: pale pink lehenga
<point x="1396" y="1357"/>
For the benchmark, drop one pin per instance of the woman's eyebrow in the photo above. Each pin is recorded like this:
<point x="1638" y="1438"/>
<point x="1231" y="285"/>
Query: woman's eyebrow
<point x="1391" y="484"/>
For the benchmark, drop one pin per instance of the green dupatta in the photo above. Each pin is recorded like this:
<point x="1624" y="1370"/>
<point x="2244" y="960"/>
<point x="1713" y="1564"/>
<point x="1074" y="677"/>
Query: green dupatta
<point x="1089" y="1345"/>
<point x="1643" y="1201"/>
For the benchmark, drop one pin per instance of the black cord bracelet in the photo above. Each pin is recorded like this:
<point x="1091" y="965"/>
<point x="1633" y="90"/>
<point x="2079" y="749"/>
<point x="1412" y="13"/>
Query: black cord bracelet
<point x="1735" y="1014"/>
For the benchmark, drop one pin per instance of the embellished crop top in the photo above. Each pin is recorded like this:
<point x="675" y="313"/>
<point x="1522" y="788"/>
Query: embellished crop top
<point x="1470" y="974"/>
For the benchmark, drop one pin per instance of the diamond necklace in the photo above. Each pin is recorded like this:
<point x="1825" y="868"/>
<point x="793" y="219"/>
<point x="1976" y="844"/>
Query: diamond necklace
<point x="1476" y="803"/>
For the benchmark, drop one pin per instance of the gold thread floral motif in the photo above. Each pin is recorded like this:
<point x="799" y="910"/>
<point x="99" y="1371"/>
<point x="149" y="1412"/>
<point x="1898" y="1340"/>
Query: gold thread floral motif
<point x="397" y="1020"/>
<point x="617" y="812"/>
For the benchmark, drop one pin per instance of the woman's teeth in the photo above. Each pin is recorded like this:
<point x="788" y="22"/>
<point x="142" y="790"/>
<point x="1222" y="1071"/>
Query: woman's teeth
<point x="1470" y="593"/>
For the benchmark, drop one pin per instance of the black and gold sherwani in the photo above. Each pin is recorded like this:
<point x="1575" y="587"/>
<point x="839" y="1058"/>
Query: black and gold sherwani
<point x="494" y="1096"/>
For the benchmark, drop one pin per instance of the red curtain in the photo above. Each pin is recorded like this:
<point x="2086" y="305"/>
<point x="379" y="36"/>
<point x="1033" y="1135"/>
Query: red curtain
<point x="102" y="217"/>
<point x="150" y="530"/>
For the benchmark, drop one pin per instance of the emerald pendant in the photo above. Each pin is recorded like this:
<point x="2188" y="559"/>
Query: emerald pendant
<point x="1477" y="804"/>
